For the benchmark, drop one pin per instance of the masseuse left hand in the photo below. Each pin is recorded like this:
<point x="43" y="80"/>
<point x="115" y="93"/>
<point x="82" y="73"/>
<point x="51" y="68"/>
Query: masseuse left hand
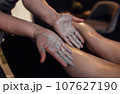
<point x="63" y="26"/>
<point x="47" y="40"/>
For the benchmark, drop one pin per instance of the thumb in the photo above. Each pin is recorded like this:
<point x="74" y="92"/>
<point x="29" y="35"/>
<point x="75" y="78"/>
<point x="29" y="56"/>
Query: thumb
<point x="76" y="19"/>
<point x="43" y="54"/>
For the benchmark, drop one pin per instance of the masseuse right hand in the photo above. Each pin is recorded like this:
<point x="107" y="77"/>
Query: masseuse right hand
<point x="53" y="44"/>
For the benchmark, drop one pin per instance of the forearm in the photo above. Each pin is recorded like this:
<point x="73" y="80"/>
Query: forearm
<point x="87" y="65"/>
<point x="17" y="26"/>
<point x="102" y="46"/>
<point x="41" y="9"/>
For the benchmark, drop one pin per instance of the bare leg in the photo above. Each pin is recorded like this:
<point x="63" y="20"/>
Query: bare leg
<point x="87" y="65"/>
<point x="107" y="49"/>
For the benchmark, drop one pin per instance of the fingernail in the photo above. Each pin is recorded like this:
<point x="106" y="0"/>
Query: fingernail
<point x="71" y="64"/>
<point x="68" y="62"/>
<point x="82" y="42"/>
<point x="82" y="46"/>
<point x="43" y="50"/>
<point x="70" y="58"/>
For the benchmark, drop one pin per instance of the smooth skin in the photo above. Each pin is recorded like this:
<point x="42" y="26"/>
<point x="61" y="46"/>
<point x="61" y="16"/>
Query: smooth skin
<point x="87" y="65"/>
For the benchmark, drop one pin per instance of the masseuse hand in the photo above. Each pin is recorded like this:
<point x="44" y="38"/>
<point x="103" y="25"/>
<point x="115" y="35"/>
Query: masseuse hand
<point x="63" y="26"/>
<point x="50" y="42"/>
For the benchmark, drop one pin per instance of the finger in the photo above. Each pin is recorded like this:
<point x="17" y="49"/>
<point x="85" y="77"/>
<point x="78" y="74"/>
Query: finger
<point x="68" y="49"/>
<point x="66" y="54"/>
<point x="60" y="59"/>
<point x="73" y="41"/>
<point x="79" y="36"/>
<point x="66" y="59"/>
<point x="43" y="54"/>
<point x="78" y="20"/>
<point x="78" y="41"/>
<point x="68" y="42"/>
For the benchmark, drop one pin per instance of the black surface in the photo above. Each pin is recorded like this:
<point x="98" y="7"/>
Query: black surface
<point x="115" y="35"/>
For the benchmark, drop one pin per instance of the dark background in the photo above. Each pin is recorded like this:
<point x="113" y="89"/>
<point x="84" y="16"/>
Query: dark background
<point x="61" y="5"/>
<point x="88" y="4"/>
<point x="23" y="57"/>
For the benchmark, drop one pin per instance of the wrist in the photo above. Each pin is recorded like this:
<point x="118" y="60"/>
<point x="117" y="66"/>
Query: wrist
<point x="38" y="30"/>
<point x="51" y="18"/>
<point x="61" y="17"/>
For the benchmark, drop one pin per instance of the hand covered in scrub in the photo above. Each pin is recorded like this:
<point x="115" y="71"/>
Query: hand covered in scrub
<point x="50" y="42"/>
<point x="63" y="26"/>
